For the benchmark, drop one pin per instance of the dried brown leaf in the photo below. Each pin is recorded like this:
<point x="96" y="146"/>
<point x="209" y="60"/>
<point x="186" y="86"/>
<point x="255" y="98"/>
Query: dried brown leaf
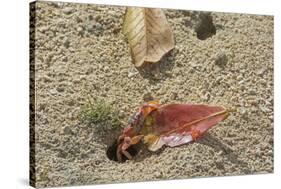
<point x="148" y="33"/>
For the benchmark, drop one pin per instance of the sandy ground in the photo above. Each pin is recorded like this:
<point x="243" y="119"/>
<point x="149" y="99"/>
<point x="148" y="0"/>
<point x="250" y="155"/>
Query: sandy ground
<point x="80" y="51"/>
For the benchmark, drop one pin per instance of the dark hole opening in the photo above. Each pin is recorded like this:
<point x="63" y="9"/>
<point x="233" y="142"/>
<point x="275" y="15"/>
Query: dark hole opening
<point x="112" y="149"/>
<point x="205" y="27"/>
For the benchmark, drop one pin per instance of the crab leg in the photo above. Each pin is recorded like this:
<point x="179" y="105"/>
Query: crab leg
<point x="118" y="153"/>
<point x="127" y="154"/>
<point x="122" y="148"/>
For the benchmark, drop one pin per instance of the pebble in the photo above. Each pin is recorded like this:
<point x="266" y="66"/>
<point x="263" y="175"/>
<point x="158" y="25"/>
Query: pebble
<point x="41" y="107"/>
<point x="59" y="4"/>
<point x="66" y="42"/>
<point x="261" y="71"/>
<point x="71" y="102"/>
<point x="90" y="28"/>
<point x="207" y="96"/>
<point x="270" y="152"/>
<point x="60" y="89"/>
<point x="65" y="59"/>
<point x="158" y="174"/>
<point x="97" y="28"/>
<point x="80" y="30"/>
<point x="243" y="111"/>
<point x="47" y="79"/>
<point x="105" y="68"/>
<point x="53" y="91"/>
<point x="67" y="130"/>
<point x="89" y="70"/>
<point x="78" y="19"/>
<point x="90" y="17"/>
<point x="62" y="154"/>
<point x="240" y="77"/>
<point x="68" y="10"/>
<point x="221" y="59"/>
<point x="252" y="92"/>
<point x="82" y="77"/>
<point x="132" y="74"/>
<point x="98" y="17"/>
<point x="173" y="95"/>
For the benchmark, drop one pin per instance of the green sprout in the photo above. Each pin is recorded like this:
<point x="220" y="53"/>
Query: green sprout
<point x="100" y="114"/>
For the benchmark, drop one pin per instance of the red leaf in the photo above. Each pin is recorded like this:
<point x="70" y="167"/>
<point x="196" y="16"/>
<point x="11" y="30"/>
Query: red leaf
<point x="177" y="124"/>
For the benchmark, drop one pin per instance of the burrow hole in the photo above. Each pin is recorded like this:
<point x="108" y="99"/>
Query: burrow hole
<point x="112" y="149"/>
<point x="205" y="27"/>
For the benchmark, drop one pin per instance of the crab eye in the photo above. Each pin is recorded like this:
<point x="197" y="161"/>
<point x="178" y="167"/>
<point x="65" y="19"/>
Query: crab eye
<point x="136" y="121"/>
<point x="133" y="119"/>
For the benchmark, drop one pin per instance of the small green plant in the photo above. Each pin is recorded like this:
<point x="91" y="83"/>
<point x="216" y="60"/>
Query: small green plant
<point x="101" y="114"/>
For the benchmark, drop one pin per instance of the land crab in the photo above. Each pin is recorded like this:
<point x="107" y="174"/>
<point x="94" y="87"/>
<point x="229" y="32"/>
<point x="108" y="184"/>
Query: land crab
<point x="172" y="125"/>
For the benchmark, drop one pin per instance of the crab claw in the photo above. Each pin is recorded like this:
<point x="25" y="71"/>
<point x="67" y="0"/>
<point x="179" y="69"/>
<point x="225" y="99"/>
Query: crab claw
<point x="131" y="134"/>
<point x="123" y="147"/>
